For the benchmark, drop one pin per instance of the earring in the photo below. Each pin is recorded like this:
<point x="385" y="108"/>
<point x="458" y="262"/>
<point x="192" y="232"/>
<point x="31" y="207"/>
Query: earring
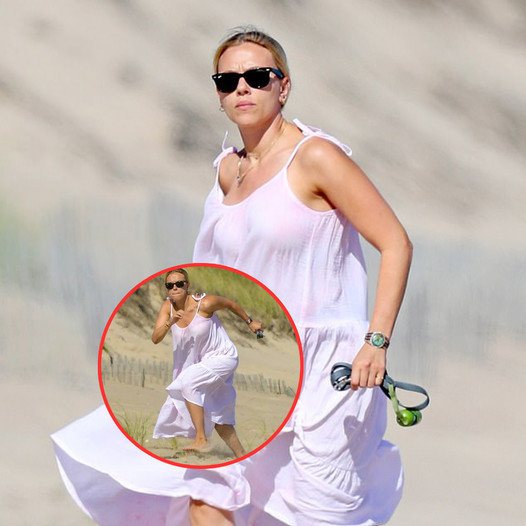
<point x="221" y="108"/>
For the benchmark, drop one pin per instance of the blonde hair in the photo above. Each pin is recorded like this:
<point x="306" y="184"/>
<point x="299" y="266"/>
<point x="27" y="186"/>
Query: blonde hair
<point x="178" y="271"/>
<point x="250" y="34"/>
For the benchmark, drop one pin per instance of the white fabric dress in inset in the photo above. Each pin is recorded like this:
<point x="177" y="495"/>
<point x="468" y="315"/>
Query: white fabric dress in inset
<point x="330" y="464"/>
<point x="204" y="361"/>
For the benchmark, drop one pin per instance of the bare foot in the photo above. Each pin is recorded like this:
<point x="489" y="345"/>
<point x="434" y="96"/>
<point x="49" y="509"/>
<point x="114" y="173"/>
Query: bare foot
<point x="199" y="445"/>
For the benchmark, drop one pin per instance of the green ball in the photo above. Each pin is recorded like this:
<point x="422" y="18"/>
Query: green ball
<point x="407" y="418"/>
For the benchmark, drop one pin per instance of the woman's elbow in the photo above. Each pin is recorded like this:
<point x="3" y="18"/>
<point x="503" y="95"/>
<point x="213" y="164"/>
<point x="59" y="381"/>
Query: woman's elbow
<point x="406" y="246"/>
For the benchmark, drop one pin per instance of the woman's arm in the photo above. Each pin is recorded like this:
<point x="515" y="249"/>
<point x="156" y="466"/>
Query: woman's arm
<point x="212" y="303"/>
<point x="337" y="182"/>
<point x="164" y="322"/>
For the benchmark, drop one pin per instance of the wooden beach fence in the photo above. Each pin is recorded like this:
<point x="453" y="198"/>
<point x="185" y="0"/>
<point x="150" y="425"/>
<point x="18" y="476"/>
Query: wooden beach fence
<point x="133" y="371"/>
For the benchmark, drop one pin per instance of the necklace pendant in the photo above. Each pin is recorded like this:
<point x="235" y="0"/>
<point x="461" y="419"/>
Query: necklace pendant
<point x="239" y="175"/>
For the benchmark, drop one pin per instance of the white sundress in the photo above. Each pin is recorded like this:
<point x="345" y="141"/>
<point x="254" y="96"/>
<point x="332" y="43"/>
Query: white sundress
<point x="330" y="464"/>
<point x="204" y="361"/>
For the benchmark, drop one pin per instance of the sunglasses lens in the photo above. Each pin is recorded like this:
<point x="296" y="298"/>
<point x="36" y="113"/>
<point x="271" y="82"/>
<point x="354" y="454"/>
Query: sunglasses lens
<point x="180" y="284"/>
<point x="257" y="78"/>
<point x="169" y="286"/>
<point x="226" y="82"/>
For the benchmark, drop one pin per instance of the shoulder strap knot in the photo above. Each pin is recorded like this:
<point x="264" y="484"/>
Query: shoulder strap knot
<point x="316" y="132"/>
<point x="224" y="151"/>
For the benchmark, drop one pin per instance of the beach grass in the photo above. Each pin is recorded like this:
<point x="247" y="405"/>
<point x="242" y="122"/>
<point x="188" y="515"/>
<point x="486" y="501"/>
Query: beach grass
<point x="136" y="425"/>
<point x="254" y="299"/>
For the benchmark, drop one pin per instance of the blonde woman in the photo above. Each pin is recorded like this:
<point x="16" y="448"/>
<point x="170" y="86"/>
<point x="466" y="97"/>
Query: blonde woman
<point x="288" y="208"/>
<point x="201" y="396"/>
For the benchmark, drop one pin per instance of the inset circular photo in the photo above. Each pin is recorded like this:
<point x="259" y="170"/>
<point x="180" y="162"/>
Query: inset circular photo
<point x="200" y="365"/>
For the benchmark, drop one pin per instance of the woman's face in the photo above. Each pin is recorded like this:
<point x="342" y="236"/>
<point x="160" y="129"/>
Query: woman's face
<point x="246" y="105"/>
<point x="176" y="292"/>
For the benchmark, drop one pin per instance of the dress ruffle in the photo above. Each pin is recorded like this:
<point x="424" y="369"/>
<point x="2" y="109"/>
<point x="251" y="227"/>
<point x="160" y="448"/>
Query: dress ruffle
<point x="116" y="483"/>
<point x="334" y="456"/>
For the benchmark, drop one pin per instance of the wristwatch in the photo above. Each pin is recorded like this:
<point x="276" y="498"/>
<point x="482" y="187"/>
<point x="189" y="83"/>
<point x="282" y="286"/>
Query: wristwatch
<point x="249" y="321"/>
<point x="377" y="339"/>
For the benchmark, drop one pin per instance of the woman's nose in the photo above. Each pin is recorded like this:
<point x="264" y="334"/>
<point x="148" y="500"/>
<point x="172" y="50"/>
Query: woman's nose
<point x="242" y="86"/>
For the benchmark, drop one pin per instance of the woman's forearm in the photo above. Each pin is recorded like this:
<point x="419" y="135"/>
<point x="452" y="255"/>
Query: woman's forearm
<point x="395" y="263"/>
<point x="238" y="311"/>
<point x="160" y="332"/>
<point x="218" y="302"/>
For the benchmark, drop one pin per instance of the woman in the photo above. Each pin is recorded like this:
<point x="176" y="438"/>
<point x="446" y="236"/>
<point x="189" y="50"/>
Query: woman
<point x="201" y="396"/>
<point x="298" y="203"/>
<point x="288" y="209"/>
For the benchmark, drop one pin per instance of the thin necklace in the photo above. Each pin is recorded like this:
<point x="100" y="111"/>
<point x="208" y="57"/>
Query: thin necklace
<point x="257" y="157"/>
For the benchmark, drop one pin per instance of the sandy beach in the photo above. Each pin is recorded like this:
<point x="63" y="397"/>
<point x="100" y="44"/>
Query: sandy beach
<point x="109" y="124"/>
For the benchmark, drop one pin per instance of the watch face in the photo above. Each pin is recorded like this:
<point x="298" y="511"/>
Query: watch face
<point x="377" y="339"/>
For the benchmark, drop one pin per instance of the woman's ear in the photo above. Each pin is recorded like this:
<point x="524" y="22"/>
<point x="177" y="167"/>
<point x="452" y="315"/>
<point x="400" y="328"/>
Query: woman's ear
<point x="284" y="90"/>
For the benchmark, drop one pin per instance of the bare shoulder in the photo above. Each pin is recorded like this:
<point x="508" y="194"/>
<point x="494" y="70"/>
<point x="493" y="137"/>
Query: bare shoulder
<point x="319" y="155"/>
<point x="318" y="149"/>
<point x="209" y="301"/>
<point x="212" y="303"/>
<point x="322" y="162"/>
<point x="164" y="311"/>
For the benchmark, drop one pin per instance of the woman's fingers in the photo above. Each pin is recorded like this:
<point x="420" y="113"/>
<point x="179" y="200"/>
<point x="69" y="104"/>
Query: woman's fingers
<point x="379" y="377"/>
<point x="366" y="377"/>
<point x="368" y="368"/>
<point x="256" y="326"/>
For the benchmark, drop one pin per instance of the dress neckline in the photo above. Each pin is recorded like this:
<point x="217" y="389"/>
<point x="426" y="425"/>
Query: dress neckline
<point x="196" y="314"/>
<point x="260" y="187"/>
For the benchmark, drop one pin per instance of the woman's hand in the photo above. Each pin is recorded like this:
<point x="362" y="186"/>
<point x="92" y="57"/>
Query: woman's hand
<point x="165" y="321"/>
<point x="255" y="326"/>
<point x="368" y="367"/>
<point x="177" y="315"/>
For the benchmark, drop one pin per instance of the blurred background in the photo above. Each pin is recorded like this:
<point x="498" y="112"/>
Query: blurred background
<point x="109" y="124"/>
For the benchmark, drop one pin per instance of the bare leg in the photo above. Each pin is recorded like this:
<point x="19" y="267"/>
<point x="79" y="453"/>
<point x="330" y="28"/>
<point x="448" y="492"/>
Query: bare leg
<point x="229" y="435"/>
<point x="197" y="414"/>
<point x="202" y="514"/>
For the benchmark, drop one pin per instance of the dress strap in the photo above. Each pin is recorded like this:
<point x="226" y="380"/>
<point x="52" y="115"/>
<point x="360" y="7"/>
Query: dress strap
<point x="224" y="151"/>
<point x="310" y="131"/>
<point x="295" y="151"/>
<point x="198" y="298"/>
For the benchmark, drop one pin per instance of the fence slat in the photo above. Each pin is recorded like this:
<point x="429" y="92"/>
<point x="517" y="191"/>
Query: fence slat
<point x="142" y="373"/>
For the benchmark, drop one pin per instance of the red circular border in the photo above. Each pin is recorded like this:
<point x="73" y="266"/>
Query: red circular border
<point x="193" y="466"/>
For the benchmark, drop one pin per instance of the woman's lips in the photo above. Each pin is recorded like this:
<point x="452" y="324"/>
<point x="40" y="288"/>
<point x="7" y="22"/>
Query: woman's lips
<point x="245" y="105"/>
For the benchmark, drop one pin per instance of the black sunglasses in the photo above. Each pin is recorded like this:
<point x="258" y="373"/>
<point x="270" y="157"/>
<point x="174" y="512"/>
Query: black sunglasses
<point x="179" y="284"/>
<point x="256" y="78"/>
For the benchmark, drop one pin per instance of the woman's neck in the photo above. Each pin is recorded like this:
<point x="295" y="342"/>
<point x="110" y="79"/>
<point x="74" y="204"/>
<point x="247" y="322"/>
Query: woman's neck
<point x="257" y="140"/>
<point x="181" y="304"/>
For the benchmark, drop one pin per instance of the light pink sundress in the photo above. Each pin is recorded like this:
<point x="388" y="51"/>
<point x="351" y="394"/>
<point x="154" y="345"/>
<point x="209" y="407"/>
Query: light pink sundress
<point x="330" y="464"/>
<point x="204" y="360"/>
